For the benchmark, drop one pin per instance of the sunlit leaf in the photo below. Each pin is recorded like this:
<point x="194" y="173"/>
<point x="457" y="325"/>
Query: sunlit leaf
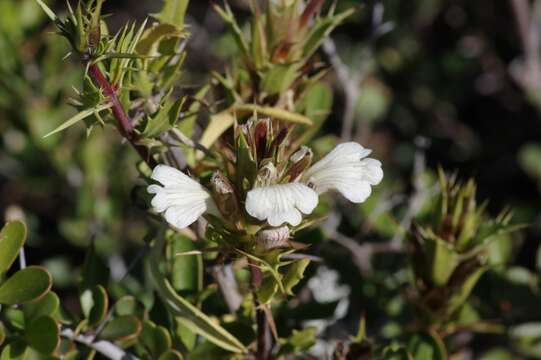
<point x="78" y="117"/>
<point x="12" y="238"/>
<point x="25" y="285"/>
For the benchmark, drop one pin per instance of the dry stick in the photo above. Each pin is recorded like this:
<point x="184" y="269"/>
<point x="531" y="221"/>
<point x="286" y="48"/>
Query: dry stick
<point x="107" y="349"/>
<point x="264" y="339"/>
<point x="124" y="123"/>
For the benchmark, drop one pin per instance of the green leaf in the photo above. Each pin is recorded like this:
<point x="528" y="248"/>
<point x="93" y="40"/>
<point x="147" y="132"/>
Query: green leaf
<point x="186" y="271"/>
<point x="229" y="18"/>
<point x="2" y="333"/>
<point x="95" y="271"/>
<point x="127" y="305"/>
<point x="299" y="341"/>
<point x="15" y="350"/>
<point x="171" y="355"/>
<point x="78" y="117"/>
<point x="48" y="305"/>
<point x="164" y="119"/>
<point x="218" y="124"/>
<point x="94" y="303"/>
<point x="442" y="260"/>
<point x="173" y="12"/>
<point x="25" y="285"/>
<point x="279" y="78"/>
<point x="148" y="45"/>
<point x="316" y="105"/>
<point x="427" y="346"/>
<point x="43" y="334"/>
<point x="122" y="328"/>
<point x="279" y="114"/>
<point x="321" y="30"/>
<point x="187" y="313"/>
<point x="12" y="238"/>
<point x="294" y="274"/>
<point x="529" y="158"/>
<point x="47" y="10"/>
<point x="155" y="338"/>
<point x="186" y="125"/>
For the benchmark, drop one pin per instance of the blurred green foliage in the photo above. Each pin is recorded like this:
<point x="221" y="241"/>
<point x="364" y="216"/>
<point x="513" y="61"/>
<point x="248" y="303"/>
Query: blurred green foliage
<point x="441" y="73"/>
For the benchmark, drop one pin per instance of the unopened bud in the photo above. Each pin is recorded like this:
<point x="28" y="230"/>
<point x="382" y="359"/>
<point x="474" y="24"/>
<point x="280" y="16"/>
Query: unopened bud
<point x="224" y="196"/>
<point x="260" y="138"/>
<point x="273" y="238"/>
<point x="267" y="175"/>
<point x="301" y="160"/>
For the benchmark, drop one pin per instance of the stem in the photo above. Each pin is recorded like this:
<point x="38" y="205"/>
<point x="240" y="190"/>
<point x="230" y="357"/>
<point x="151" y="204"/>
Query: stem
<point x="124" y="122"/>
<point x="107" y="349"/>
<point x="264" y="338"/>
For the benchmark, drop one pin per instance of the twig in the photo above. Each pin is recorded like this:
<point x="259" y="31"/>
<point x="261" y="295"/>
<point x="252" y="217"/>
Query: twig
<point x="350" y="87"/>
<point x="22" y="258"/>
<point x="124" y="123"/>
<point x="264" y="339"/>
<point x="223" y="274"/>
<point x="362" y="253"/>
<point x="420" y="192"/>
<point x="107" y="349"/>
<point x="351" y="81"/>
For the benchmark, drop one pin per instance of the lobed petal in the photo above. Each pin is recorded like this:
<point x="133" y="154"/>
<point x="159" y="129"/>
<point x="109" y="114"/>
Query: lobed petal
<point x="347" y="170"/>
<point x="181" y="199"/>
<point x="282" y="203"/>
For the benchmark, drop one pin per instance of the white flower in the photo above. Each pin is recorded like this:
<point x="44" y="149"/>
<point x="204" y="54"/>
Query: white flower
<point x="348" y="170"/>
<point x="181" y="199"/>
<point x="345" y="169"/>
<point x="282" y="203"/>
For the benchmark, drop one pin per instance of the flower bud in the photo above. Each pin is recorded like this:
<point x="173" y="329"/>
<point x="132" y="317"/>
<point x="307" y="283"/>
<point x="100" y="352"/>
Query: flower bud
<point x="273" y="238"/>
<point x="301" y="160"/>
<point x="225" y="196"/>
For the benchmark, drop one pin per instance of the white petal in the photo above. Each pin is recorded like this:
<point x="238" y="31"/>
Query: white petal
<point x="181" y="199"/>
<point x="282" y="203"/>
<point x="347" y="170"/>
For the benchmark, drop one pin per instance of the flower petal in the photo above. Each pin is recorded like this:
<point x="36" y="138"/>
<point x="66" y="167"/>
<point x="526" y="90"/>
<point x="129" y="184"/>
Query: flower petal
<point x="282" y="203"/>
<point x="347" y="170"/>
<point x="181" y="199"/>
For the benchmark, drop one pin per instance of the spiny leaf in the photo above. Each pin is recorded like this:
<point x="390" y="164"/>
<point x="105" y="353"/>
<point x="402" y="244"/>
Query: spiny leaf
<point x="47" y="10"/>
<point x="276" y="113"/>
<point x="173" y="12"/>
<point x="294" y="274"/>
<point x="78" y="117"/>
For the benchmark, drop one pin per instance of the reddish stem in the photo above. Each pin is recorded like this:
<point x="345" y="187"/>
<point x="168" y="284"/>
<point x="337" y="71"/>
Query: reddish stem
<point x="124" y="123"/>
<point x="264" y="338"/>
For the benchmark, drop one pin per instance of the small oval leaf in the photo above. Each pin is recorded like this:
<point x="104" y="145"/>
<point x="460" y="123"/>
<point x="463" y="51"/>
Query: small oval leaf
<point x="48" y="305"/>
<point x="122" y="328"/>
<point x="43" y="335"/>
<point x="25" y="285"/>
<point x="12" y="238"/>
<point x="95" y="303"/>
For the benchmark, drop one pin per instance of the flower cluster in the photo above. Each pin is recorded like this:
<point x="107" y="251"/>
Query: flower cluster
<point x="270" y="180"/>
